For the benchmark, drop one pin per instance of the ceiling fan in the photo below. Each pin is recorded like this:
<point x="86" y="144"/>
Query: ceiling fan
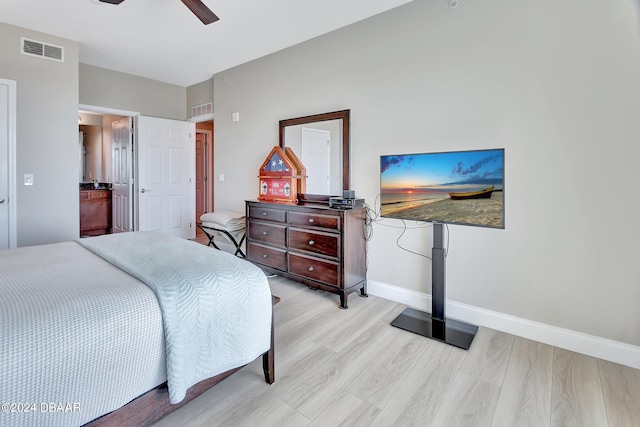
<point x="196" y="6"/>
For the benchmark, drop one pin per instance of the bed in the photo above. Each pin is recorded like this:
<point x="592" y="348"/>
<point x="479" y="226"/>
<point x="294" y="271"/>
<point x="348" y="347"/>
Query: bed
<point x="97" y="330"/>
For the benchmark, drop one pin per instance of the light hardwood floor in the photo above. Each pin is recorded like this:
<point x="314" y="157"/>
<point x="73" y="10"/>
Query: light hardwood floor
<point x="351" y="368"/>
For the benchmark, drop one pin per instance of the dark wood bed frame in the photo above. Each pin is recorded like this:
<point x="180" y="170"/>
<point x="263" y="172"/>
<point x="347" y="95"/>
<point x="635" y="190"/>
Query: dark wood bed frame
<point x="154" y="405"/>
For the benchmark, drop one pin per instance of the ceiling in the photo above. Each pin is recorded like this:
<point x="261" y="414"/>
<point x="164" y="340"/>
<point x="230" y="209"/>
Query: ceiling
<point x="163" y="40"/>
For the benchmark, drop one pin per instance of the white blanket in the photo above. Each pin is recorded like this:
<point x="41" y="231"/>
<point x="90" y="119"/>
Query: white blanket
<point x="78" y="337"/>
<point x="216" y="307"/>
<point x="226" y="220"/>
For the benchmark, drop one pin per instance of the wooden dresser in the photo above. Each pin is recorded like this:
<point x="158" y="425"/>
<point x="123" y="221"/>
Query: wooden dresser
<point x="321" y="247"/>
<point x="95" y="212"/>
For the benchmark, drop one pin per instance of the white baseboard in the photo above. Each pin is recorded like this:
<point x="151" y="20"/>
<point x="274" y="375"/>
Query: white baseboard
<point x="602" y="348"/>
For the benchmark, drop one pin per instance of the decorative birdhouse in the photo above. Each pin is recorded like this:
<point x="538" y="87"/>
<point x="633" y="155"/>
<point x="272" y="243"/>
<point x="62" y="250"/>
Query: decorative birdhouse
<point x="282" y="176"/>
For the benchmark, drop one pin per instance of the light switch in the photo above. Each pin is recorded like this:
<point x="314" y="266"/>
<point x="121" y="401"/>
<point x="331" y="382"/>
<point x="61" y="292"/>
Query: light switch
<point x="220" y="177"/>
<point x="235" y="117"/>
<point x="28" y="179"/>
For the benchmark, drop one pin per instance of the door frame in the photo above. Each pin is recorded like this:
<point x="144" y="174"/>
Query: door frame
<point x="11" y="160"/>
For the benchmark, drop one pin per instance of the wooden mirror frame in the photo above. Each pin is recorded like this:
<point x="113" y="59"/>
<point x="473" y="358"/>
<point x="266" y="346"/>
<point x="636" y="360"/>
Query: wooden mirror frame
<point x="344" y="116"/>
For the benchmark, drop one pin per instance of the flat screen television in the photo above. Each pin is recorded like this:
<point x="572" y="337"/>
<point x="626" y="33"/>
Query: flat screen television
<point x="455" y="187"/>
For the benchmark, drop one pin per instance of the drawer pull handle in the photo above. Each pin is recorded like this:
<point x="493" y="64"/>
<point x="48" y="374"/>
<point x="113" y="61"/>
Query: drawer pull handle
<point x="311" y="242"/>
<point x="264" y="233"/>
<point x="311" y="220"/>
<point x="265" y="213"/>
<point x="310" y="268"/>
<point x="265" y="255"/>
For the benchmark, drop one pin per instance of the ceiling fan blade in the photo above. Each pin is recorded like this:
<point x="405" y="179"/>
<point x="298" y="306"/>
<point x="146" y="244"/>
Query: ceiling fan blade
<point x="200" y="10"/>
<point x="112" y="1"/>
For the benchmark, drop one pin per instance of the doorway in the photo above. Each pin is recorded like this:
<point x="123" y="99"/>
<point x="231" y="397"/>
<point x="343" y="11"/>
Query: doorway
<point x="106" y="163"/>
<point x="204" y="168"/>
<point x="160" y="157"/>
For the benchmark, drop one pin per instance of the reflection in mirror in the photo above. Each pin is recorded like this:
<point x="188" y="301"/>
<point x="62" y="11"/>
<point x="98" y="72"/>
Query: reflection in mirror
<point x="90" y="145"/>
<point x="321" y="142"/>
<point x="318" y="145"/>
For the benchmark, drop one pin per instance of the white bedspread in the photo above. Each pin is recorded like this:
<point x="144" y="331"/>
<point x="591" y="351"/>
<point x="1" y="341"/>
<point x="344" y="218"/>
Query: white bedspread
<point x="216" y="308"/>
<point x="76" y="333"/>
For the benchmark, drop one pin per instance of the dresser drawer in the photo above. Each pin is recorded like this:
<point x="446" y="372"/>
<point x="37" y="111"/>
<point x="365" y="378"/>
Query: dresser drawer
<point x="100" y="194"/>
<point x="267" y="214"/>
<point x="301" y="219"/>
<point x="314" y="268"/>
<point x="272" y="234"/>
<point x="271" y="257"/>
<point x="95" y="195"/>
<point x="316" y="242"/>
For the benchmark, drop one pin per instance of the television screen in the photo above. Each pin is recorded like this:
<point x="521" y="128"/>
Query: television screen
<point x="457" y="187"/>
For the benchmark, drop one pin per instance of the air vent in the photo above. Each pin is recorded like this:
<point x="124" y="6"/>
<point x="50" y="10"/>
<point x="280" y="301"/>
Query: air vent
<point x="42" y="50"/>
<point x="201" y="110"/>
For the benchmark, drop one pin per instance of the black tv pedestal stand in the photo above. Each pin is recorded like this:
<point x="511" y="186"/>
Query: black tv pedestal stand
<point x="435" y="325"/>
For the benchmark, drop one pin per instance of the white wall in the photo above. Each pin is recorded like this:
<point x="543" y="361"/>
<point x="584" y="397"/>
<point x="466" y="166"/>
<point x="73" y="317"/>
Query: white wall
<point x="120" y="91"/>
<point x="557" y="84"/>
<point x="198" y="94"/>
<point x="46" y="137"/>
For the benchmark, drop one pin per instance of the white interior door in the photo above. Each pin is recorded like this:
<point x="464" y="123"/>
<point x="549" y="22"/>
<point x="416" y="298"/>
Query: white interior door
<point x="316" y="144"/>
<point x="166" y="176"/>
<point x="7" y="164"/>
<point x="122" y="172"/>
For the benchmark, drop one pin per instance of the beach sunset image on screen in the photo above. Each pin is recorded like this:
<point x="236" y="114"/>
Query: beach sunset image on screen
<point x="458" y="187"/>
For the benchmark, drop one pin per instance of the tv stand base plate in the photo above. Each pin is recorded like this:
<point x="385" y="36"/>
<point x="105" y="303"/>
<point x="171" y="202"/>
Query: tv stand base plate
<point x="452" y="332"/>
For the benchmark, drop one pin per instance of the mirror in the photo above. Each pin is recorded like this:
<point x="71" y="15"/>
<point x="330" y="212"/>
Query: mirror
<point x="95" y="146"/>
<point x="90" y="146"/>
<point x="321" y="142"/>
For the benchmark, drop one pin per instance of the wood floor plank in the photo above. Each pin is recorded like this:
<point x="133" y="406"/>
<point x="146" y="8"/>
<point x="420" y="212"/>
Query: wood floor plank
<point x="263" y="410"/>
<point x="488" y="357"/>
<point x="299" y="298"/>
<point x="308" y="384"/>
<point x="306" y="327"/>
<point x="621" y="389"/>
<point x="347" y="410"/>
<point x="469" y="402"/>
<point x="362" y="314"/>
<point x="218" y="403"/>
<point x="577" y="398"/>
<point x="383" y="375"/>
<point x="525" y="397"/>
<point x="418" y="399"/>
